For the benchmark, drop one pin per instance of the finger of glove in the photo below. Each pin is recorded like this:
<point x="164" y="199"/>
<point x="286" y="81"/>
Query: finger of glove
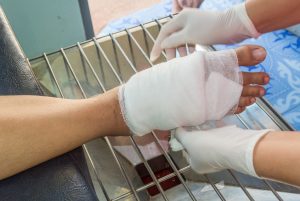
<point x="169" y="28"/>
<point x="191" y="48"/>
<point x="182" y="51"/>
<point x="170" y="53"/>
<point x="174" y="40"/>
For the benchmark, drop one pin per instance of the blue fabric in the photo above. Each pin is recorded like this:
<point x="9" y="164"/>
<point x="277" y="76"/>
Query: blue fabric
<point x="282" y="62"/>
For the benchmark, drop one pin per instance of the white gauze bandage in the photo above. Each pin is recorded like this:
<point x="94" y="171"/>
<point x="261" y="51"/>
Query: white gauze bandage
<point x="185" y="91"/>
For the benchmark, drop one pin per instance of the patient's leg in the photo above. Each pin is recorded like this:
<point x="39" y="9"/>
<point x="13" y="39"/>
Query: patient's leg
<point x="251" y="81"/>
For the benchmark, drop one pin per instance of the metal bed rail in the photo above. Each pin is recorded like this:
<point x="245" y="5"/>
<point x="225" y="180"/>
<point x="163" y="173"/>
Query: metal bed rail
<point x="62" y="75"/>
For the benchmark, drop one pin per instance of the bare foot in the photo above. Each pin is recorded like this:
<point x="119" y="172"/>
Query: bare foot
<point x="250" y="55"/>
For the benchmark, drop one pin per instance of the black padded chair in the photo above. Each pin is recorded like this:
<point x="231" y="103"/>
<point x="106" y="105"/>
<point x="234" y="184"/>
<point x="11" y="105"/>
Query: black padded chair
<point x="63" y="178"/>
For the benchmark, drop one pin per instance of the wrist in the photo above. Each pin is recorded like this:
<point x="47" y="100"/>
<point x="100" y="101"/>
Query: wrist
<point x="253" y="138"/>
<point x="108" y="115"/>
<point x="242" y="12"/>
<point x="238" y="25"/>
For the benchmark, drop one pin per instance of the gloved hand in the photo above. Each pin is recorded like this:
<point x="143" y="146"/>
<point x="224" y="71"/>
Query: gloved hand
<point x="178" y="5"/>
<point x="214" y="150"/>
<point x="193" y="26"/>
<point x="185" y="91"/>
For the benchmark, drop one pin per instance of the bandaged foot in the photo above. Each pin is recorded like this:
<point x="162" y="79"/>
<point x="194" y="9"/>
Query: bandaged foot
<point x="185" y="91"/>
<point x="222" y="148"/>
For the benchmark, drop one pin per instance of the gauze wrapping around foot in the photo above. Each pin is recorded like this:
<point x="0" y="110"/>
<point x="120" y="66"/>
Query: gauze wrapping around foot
<point x="214" y="150"/>
<point x="185" y="91"/>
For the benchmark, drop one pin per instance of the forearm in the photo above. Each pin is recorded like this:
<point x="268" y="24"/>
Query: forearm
<point x="34" y="129"/>
<point x="270" y="15"/>
<point x="277" y="156"/>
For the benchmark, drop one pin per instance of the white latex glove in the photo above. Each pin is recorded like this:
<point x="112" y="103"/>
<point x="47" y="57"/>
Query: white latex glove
<point x="193" y="26"/>
<point x="178" y="5"/>
<point x="185" y="91"/>
<point x="214" y="150"/>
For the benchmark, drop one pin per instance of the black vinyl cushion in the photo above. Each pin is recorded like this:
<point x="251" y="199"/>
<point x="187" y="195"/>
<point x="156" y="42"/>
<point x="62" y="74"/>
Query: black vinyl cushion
<point x="62" y="178"/>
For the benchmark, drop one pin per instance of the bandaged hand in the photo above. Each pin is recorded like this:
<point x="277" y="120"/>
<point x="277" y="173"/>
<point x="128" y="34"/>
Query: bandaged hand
<point x="214" y="150"/>
<point x="193" y="26"/>
<point x="185" y="91"/>
<point x="178" y="5"/>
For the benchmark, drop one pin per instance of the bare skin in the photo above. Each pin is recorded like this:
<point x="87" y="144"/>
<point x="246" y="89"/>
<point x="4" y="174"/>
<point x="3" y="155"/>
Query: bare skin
<point x="270" y="15"/>
<point x="277" y="157"/>
<point x="35" y="129"/>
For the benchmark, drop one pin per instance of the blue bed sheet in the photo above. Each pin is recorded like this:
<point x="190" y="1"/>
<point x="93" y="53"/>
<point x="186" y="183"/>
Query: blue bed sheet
<point x="282" y="62"/>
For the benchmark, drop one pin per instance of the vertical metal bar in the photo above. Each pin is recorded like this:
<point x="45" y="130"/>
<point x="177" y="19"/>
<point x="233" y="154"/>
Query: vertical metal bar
<point x="134" y="145"/>
<point x="84" y="147"/>
<point x="69" y="76"/>
<point x="273" y="190"/>
<point x="215" y="188"/>
<point x="106" y="139"/>
<point x="72" y="71"/>
<point x="123" y="53"/>
<point x="146" y="43"/>
<point x="173" y="166"/>
<point x="101" y="65"/>
<point x="84" y="69"/>
<point x="107" y="60"/>
<point x="243" y="188"/>
<point x="263" y="104"/>
<point x="68" y="73"/>
<point x="82" y="53"/>
<point x="51" y="73"/>
<point x="131" y="51"/>
<point x="139" y="47"/>
<point x="117" y="60"/>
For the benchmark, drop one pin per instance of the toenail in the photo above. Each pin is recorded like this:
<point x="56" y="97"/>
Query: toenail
<point x="262" y="92"/>
<point x="266" y="80"/>
<point x="259" y="54"/>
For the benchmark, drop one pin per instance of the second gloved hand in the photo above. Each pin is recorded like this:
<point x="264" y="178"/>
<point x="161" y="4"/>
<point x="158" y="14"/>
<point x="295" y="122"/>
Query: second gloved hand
<point x="214" y="150"/>
<point x="185" y="91"/>
<point x="193" y="26"/>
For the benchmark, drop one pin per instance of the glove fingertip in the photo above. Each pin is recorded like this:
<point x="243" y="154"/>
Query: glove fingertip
<point x="154" y="56"/>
